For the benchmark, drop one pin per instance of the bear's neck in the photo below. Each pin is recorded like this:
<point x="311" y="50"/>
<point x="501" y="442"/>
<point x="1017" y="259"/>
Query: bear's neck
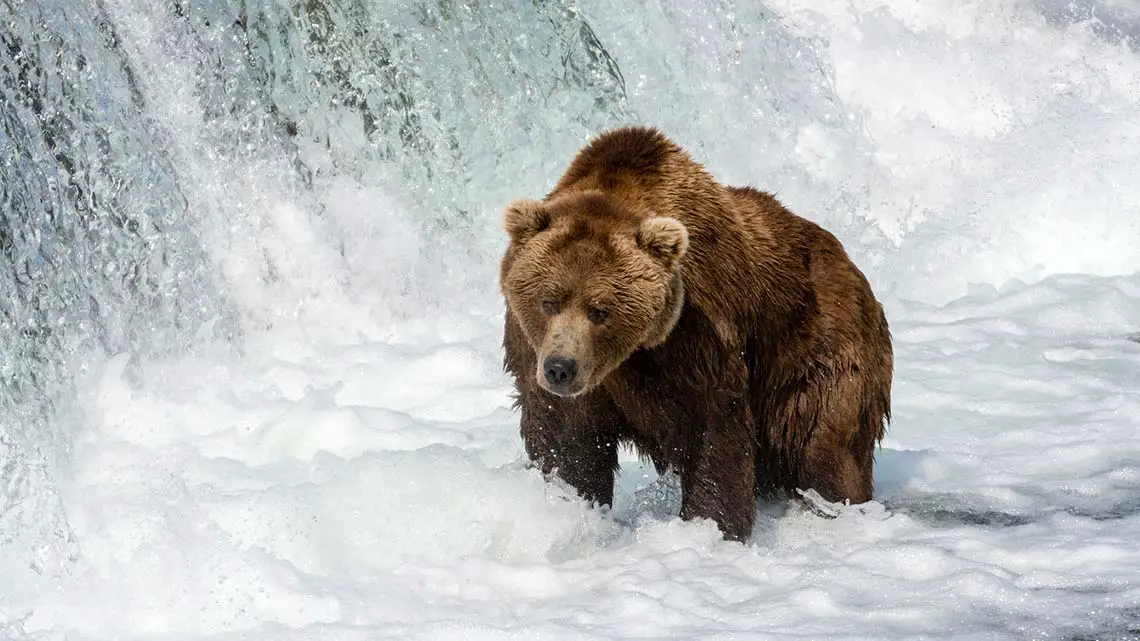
<point x="670" y="313"/>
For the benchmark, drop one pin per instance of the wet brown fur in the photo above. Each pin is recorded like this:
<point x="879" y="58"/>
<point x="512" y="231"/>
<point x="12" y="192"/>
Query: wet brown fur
<point x="776" y="374"/>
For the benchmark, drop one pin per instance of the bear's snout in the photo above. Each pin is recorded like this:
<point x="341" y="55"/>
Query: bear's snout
<point x="560" y="372"/>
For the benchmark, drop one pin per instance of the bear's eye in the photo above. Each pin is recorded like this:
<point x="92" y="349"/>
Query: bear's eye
<point x="550" y="307"/>
<point x="597" y="316"/>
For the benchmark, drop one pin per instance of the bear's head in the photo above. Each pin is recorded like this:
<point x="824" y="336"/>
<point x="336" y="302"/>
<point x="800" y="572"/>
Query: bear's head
<point x="590" y="279"/>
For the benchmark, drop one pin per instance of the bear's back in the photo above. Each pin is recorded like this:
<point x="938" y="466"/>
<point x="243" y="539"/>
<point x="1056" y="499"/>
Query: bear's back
<point x="834" y="310"/>
<point x="631" y="154"/>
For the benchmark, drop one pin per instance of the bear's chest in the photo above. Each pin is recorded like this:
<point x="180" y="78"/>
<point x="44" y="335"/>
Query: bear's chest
<point x="657" y="398"/>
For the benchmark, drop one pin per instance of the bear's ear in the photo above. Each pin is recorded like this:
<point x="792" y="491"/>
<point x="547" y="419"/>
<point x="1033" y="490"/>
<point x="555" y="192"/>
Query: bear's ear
<point x="524" y="218"/>
<point x="666" y="239"/>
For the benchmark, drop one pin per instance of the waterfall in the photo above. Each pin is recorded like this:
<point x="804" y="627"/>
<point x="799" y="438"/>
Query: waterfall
<point x="101" y="248"/>
<point x="176" y="175"/>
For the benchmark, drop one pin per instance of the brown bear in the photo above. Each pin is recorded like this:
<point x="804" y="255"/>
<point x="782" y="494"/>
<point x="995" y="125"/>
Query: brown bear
<point x="718" y="333"/>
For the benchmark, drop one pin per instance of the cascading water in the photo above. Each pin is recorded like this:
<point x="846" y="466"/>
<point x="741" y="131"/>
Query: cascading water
<point x="176" y="173"/>
<point x="952" y="143"/>
<point x="179" y="175"/>
<point x="100" y="246"/>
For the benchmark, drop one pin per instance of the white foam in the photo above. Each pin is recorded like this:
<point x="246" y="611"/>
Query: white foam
<point x="209" y="502"/>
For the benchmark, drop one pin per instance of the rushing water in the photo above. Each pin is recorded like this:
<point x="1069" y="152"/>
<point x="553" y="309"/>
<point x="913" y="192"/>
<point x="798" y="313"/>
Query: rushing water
<point x="176" y="176"/>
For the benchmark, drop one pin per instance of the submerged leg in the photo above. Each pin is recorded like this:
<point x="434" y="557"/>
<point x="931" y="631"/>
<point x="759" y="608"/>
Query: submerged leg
<point x="576" y="438"/>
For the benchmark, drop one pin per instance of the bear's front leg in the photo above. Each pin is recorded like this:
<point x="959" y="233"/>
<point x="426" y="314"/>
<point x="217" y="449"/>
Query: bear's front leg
<point x="577" y="438"/>
<point x="718" y="480"/>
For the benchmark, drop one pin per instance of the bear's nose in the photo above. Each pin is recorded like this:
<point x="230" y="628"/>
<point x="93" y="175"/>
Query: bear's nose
<point x="559" y="370"/>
